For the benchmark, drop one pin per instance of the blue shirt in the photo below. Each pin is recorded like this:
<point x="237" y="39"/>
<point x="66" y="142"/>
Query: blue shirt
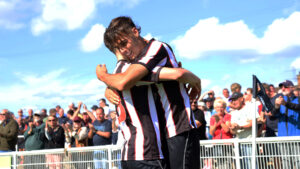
<point x="104" y="126"/>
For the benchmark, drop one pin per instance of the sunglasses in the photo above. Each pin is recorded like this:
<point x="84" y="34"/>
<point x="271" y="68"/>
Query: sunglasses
<point x="51" y="120"/>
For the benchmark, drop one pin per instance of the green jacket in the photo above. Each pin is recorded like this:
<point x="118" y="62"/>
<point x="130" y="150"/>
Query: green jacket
<point x="9" y="135"/>
<point x="34" y="141"/>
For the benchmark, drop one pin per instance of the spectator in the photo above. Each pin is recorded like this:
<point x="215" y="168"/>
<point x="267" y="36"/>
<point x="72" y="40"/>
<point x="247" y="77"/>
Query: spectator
<point x="235" y="87"/>
<point x="62" y="119"/>
<point x="22" y="129"/>
<point x="209" y="104"/>
<point x="287" y="106"/>
<point x="200" y="120"/>
<point x="87" y="122"/>
<point x="219" y="123"/>
<point x="241" y="125"/>
<point x="20" y="114"/>
<point x="8" y="132"/>
<point x="226" y="95"/>
<point x="102" y="103"/>
<point x="34" y="133"/>
<point x="29" y="118"/>
<point x="115" y="127"/>
<point x="101" y="133"/>
<point x="94" y="108"/>
<point x="57" y="108"/>
<point x="78" y="136"/>
<point x="44" y="114"/>
<point x="219" y="129"/>
<point x="297" y="92"/>
<point x="272" y="91"/>
<point x="54" y="138"/>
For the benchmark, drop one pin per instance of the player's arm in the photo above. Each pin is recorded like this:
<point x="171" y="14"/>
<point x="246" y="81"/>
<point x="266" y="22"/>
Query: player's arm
<point x="122" y="81"/>
<point x="183" y="76"/>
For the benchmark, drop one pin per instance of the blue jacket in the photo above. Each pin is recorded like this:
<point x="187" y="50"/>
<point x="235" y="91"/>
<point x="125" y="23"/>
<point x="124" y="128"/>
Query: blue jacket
<point x="289" y="118"/>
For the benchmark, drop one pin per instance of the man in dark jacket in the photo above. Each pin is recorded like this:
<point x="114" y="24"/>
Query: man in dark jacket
<point x="8" y="132"/>
<point x="54" y="138"/>
<point x="36" y="129"/>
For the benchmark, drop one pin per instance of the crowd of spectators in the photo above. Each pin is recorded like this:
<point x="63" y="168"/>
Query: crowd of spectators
<point x="217" y="117"/>
<point x="78" y="127"/>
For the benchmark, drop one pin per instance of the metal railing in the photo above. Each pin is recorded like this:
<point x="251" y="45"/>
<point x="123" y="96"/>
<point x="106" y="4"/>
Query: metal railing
<point x="271" y="153"/>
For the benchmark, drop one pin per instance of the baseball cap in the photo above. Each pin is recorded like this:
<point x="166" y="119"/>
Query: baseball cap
<point x="38" y="113"/>
<point x="286" y="83"/>
<point x="77" y="119"/>
<point x="235" y="96"/>
<point x="209" y="99"/>
<point x="94" y="107"/>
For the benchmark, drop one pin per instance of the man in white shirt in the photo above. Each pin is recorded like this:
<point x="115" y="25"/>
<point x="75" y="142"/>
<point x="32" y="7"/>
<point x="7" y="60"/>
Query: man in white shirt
<point x="241" y="124"/>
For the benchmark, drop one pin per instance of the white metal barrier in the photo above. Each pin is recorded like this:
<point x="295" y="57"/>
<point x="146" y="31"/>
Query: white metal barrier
<point x="272" y="153"/>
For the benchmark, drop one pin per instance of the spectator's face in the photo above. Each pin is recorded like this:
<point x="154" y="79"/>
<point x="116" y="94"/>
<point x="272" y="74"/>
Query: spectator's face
<point x="209" y="104"/>
<point x="100" y="114"/>
<point x="101" y="103"/>
<point x="238" y="103"/>
<point x="247" y="95"/>
<point x="194" y="105"/>
<point x="286" y="90"/>
<point x="113" y="115"/>
<point x="220" y="109"/>
<point x="52" y="122"/>
<point x="61" y="112"/>
<point x="85" y="117"/>
<point x="272" y="89"/>
<point x="20" y="113"/>
<point x="226" y="93"/>
<point x="77" y="125"/>
<point x="297" y="93"/>
<point x="71" y="106"/>
<point x="30" y="112"/>
<point x="36" y="120"/>
<point x="3" y="115"/>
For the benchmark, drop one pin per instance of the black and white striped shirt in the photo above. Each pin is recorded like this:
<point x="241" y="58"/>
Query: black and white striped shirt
<point x="171" y="99"/>
<point x="139" y="121"/>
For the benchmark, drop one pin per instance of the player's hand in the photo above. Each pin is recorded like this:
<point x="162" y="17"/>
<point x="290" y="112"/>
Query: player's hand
<point x="112" y="96"/>
<point x="101" y="70"/>
<point x="194" y="89"/>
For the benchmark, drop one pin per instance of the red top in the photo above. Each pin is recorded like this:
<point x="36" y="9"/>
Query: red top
<point x="219" y="132"/>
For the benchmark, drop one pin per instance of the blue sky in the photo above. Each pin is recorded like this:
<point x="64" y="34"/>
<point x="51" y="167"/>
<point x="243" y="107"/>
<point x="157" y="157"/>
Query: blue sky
<point x="49" y="48"/>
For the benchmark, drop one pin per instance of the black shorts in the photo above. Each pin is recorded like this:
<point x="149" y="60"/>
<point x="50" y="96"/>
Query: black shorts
<point x="143" y="164"/>
<point x="184" y="151"/>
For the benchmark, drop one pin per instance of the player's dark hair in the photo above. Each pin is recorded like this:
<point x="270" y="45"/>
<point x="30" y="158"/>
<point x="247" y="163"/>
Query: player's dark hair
<point x="118" y="27"/>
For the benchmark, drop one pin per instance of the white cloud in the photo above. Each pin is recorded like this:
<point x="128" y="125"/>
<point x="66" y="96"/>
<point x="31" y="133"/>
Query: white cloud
<point x="94" y="39"/>
<point x="50" y="89"/>
<point x="209" y="35"/>
<point x="70" y="14"/>
<point x="281" y="34"/>
<point x="63" y="14"/>
<point x="7" y="9"/>
<point x="296" y="64"/>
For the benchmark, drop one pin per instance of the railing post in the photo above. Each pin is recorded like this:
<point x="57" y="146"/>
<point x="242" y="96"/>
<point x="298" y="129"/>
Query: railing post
<point x="15" y="160"/>
<point x="109" y="158"/>
<point x="237" y="154"/>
